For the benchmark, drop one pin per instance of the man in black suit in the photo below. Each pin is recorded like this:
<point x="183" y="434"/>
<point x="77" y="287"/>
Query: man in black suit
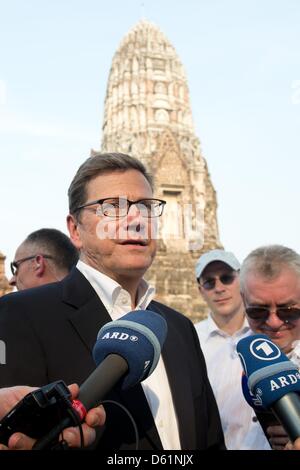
<point x="50" y="331"/>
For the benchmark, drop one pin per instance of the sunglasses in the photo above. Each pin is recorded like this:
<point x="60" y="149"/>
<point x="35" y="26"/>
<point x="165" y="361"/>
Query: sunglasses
<point x="225" y="279"/>
<point x="287" y="314"/>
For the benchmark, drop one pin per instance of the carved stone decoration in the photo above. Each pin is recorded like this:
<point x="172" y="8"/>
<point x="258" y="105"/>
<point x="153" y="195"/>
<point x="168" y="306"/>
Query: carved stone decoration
<point x="5" y="288"/>
<point x="148" y="115"/>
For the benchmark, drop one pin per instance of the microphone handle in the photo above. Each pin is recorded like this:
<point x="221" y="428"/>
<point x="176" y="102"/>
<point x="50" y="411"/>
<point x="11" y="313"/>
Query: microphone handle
<point x="287" y="411"/>
<point x="102" y="380"/>
<point x="91" y="393"/>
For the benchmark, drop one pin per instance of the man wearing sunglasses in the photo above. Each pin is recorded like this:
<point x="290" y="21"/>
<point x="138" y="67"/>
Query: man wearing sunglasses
<point x="270" y="286"/>
<point x="217" y="274"/>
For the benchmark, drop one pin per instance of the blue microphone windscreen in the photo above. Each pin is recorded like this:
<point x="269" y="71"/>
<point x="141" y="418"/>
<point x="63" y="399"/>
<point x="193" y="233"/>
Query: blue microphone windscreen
<point x="252" y="400"/>
<point x="270" y="373"/>
<point x="138" y="337"/>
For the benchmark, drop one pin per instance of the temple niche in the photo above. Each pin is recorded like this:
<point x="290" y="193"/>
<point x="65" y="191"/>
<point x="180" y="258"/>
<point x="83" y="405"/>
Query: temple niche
<point x="148" y="115"/>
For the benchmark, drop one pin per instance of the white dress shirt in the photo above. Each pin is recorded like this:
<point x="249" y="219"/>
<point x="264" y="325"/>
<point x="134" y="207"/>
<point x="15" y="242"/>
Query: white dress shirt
<point x="294" y="355"/>
<point x="117" y="302"/>
<point x="241" y="429"/>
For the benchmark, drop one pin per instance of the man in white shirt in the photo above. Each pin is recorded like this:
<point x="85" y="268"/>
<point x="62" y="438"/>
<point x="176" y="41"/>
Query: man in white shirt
<point x="217" y="274"/>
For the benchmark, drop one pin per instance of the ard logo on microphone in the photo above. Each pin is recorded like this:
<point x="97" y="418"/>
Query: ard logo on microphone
<point x="120" y="336"/>
<point x="264" y="349"/>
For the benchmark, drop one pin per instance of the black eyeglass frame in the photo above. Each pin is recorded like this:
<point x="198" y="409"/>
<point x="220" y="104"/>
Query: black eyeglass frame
<point x="14" y="265"/>
<point x="286" y="314"/>
<point x="226" y="279"/>
<point x="129" y="203"/>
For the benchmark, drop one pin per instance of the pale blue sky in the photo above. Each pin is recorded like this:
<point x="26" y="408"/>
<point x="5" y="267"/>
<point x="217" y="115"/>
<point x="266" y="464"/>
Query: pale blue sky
<point x="242" y="59"/>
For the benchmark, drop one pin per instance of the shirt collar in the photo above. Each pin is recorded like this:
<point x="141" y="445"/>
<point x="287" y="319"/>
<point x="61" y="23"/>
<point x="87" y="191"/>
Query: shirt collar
<point x="294" y="355"/>
<point x="213" y="329"/>
<point x="109" y="290"/>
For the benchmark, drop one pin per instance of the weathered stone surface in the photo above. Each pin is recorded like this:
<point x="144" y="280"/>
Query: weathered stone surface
<point x="148" y="115"/>
<point x="4" y="286"/>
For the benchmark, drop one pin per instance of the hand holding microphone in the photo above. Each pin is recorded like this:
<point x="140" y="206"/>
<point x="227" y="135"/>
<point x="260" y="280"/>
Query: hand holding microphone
<point x="19" y="441"/>
<point x="273" y="381"/>
<point x="126" y="352"/>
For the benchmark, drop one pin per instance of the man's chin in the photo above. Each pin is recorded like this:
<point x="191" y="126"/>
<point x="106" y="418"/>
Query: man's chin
<point x="282" y="343"/>
<point x="224" y="309"/>
<point x="134" y="269"/>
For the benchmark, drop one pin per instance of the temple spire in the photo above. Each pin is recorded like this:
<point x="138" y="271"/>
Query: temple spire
<point x="148" y="114"/>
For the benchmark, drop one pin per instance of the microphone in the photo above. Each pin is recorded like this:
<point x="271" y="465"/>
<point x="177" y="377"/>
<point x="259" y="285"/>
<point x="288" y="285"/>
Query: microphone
<point x="126" y="352"/>
<point x="127" y="349"/>
<point x="252" y="401"/>
<point x="273" y="381"/>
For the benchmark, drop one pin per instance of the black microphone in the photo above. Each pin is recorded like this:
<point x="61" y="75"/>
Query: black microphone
<point x="273" y="380"/>
<point x="126" y="352"/>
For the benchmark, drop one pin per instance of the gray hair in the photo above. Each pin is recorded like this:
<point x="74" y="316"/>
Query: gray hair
<point x="268" y="262"/>
<point x="101" y="163"/>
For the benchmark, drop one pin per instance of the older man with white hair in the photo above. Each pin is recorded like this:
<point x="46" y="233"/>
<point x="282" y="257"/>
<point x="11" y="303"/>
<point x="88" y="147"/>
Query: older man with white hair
<point x="270" y="286"/>
<point x="217" y="274"/>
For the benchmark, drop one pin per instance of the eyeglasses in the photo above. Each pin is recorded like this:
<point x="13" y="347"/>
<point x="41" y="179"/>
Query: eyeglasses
<point x="14" y="265"/>
<point x="260" y="314"/>
<point x="119" y="207"/>
<point x="225" y="279"/>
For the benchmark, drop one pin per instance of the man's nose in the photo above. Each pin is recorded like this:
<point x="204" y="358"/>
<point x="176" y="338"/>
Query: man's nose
<point x="135" y="216"/>
<point x="136" y="224"/>
<point x="12" y="281"/>
<point x="273" y="321"/>
<point x="134" y="210"/>
<point x="219" y="286"/>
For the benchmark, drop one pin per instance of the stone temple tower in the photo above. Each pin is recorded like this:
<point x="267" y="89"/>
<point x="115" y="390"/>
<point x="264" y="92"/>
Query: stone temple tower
<point x="148" y="115"/>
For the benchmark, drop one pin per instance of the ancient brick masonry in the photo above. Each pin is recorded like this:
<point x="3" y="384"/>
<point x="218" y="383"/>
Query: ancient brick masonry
<point x="4" y="286"/>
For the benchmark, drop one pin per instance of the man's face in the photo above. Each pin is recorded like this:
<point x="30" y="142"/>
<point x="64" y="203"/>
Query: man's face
<point x="279" y="292"/>
<point x="222" y="299"/>
<point x="131" y="250"/>
<point x="24" y="277"/>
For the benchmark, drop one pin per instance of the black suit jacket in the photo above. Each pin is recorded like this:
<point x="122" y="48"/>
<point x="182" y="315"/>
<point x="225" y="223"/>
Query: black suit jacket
<point x="49" y="334"/>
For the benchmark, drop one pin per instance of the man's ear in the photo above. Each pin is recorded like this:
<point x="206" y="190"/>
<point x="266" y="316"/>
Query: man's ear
<point x="39" y="265"/>
<point x="72" y="224"/>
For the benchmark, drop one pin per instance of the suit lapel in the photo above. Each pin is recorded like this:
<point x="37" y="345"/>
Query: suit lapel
<point x="89" y="314"/>
<point x="88" y="320"/>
